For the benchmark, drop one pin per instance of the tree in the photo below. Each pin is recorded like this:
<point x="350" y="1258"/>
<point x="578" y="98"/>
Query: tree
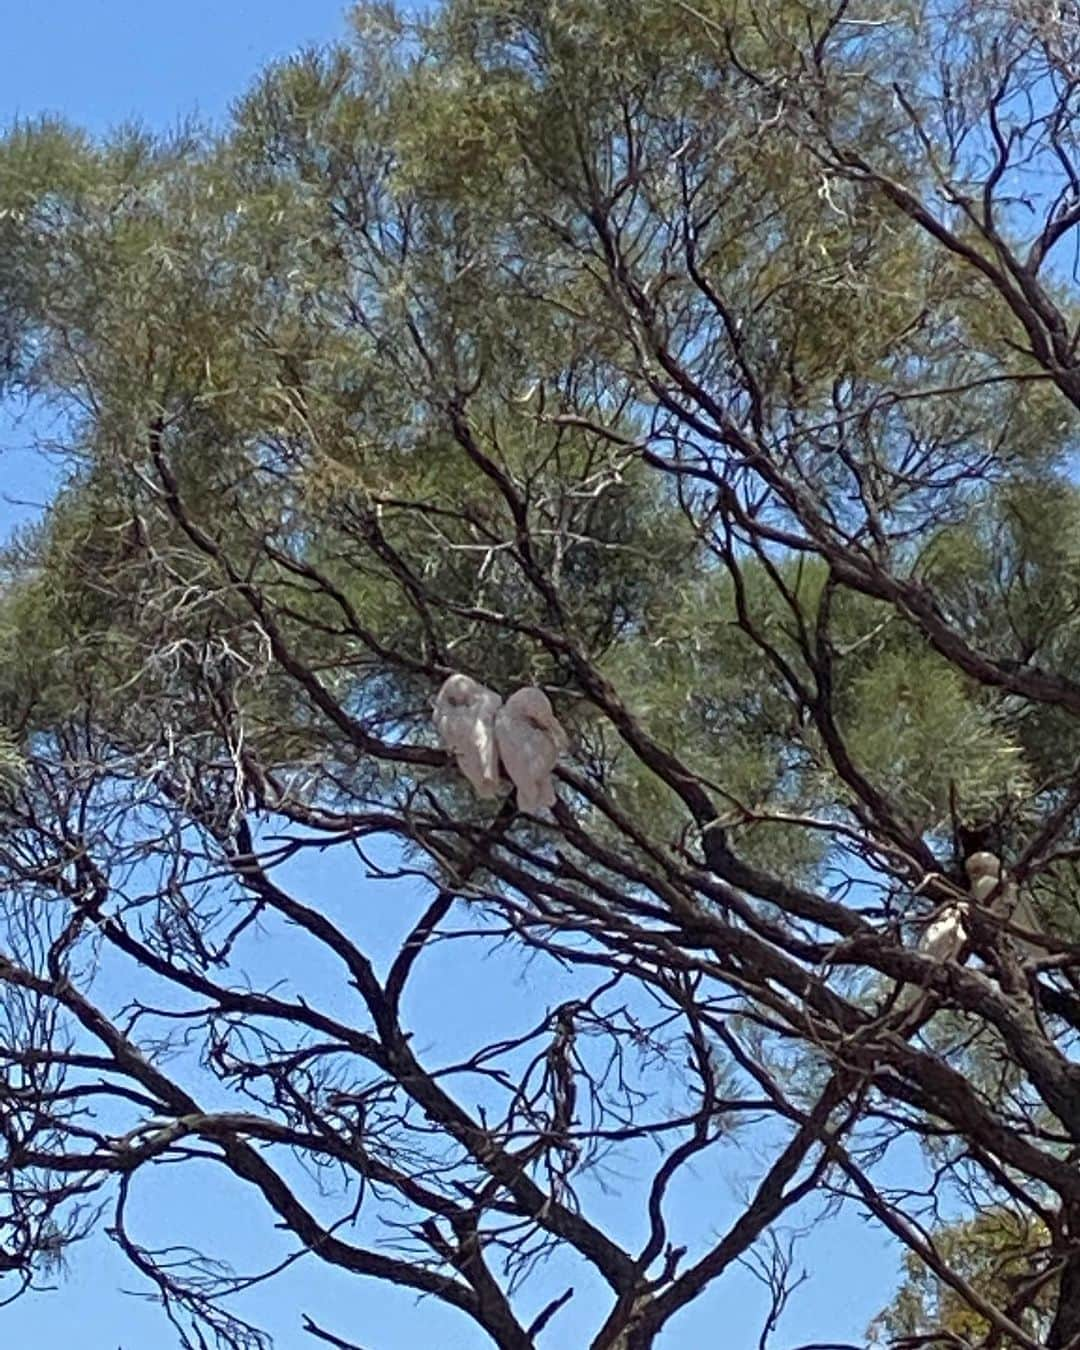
<point x="999" y="1254"/>
<point x="711" y="366"/>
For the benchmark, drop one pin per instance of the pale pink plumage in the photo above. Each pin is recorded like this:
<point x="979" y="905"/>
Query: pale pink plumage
<point x="465" y="720"/>
<point x="530" y="741"/>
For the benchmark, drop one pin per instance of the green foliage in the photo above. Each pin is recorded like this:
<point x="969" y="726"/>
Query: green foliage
<point x="919" y="728"/>
<point x="1001" y="1255"/>
<point x="290" y="418"/>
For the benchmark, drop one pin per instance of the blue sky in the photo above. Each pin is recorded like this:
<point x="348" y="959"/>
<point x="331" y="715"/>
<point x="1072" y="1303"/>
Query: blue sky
<point x="99" y="63"/>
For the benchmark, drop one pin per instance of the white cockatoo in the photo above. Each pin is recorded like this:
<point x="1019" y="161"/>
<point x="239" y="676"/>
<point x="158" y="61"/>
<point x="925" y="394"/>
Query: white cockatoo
<point x="984" y="874"/>
<point x="942" y="939"/>
<point x="465" y="713"/>
<point x="530" y="741"/>
<point x="984" y="871"/>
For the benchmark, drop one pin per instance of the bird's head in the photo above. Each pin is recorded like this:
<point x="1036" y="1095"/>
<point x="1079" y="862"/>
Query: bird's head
<point x="458" y="691"/>
<point x="532" y="703"/>
<point x="982" y="865"/>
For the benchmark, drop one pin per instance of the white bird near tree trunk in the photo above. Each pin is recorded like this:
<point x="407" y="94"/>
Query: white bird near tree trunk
<point x="991" y="888"/>
<point x="530" y="741"/>
<point x="941" y="940"/>
<point x="944" y="937"/>
<point x="465" y="720"/>
<point x="985" y="873"/>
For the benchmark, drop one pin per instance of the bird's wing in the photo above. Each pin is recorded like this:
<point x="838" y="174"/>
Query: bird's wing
<point x="543" y="716"/>
<point x="483" y="733"/>
<point x="983" y="888"/>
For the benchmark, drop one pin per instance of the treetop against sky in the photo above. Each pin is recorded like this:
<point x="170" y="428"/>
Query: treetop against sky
<point x="692" y="390"/>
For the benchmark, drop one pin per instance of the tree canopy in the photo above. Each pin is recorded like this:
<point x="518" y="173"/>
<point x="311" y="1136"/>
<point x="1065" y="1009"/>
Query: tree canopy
<point x="712" y="366"/>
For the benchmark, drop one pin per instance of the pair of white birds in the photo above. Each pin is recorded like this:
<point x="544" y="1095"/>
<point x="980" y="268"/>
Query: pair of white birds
<point x="487" y="737"/>
<point x="945" y="936"/>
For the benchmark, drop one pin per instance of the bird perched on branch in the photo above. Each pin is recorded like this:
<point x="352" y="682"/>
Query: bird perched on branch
<point x="992" y="887"/>
<point x="984" y="874"/>
<point x="530" y="741"/>
<point x="942" y="940"/>
<point x="465" y="720"/>
<point x="522" y="736"/>
<point x="944" y="937"/>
